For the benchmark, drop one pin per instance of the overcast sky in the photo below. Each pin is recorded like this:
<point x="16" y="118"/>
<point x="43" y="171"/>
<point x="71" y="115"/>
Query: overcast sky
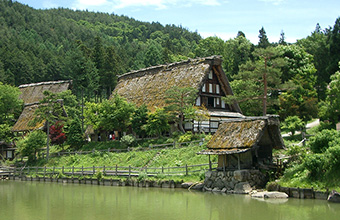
<point x="222" y="18"/>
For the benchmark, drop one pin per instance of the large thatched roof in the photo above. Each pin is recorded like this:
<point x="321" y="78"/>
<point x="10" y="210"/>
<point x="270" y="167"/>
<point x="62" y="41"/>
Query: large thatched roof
<point x="31" y="94"/>
<point x="148" y="86"/>
<point x="240" y="135"/>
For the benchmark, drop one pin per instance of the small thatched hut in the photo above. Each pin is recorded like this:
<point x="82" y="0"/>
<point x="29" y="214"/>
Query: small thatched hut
<point x="6" y="151"/>
<point x="245" y="143"/>
<point x="148" y="86"/>
<point x="31" y="94"/>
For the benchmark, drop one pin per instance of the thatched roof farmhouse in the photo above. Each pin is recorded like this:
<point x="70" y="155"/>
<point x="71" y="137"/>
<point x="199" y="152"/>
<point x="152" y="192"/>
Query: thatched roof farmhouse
<point x="31" y="94"/>
<point x="148" y="86"/>
<point x="245" y="143"/>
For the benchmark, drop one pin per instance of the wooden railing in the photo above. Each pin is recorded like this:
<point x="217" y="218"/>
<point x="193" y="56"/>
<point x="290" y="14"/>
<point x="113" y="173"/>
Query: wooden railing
<point x="121" y="171"/>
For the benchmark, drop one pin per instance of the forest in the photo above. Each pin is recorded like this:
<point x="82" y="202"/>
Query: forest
<point x="298" y="81"/>
<point x="92" y="49"/>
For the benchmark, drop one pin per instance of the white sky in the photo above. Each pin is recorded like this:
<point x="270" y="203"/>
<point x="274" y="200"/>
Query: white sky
<point x="222" y="18"/>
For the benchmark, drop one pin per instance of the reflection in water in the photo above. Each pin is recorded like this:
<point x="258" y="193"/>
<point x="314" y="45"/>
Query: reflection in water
<point x="53" y="201"/>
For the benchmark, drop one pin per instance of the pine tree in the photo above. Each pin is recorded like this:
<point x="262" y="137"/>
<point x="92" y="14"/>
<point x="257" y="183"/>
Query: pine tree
<point x="263" y="39"/>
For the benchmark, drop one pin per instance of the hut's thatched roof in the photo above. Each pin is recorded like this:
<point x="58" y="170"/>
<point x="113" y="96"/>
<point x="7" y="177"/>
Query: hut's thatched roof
<point x="240" y="135"/>
<point x="26" y="116"/>
<point x="148" y="86"/>
<point x="31" y="94"/>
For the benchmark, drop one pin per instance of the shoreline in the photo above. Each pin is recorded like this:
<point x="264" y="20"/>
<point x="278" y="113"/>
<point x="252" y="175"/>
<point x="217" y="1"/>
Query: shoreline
<point x="298" y="193"/>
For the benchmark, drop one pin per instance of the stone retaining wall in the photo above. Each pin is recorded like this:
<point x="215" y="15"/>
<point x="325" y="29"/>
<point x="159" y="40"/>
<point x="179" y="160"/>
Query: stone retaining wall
<point x="104" y="182"/>
<point x="238" y="181"/>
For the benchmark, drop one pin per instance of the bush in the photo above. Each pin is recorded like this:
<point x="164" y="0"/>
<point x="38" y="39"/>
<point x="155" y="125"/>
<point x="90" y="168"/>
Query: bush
<point x="292" y="124"/>
<point x="320" y="142"/>
<point x="32" y="142"/>
<point x="185" y="137"/>
<point x="128" y="140"/>
<point x="315" y="164"/>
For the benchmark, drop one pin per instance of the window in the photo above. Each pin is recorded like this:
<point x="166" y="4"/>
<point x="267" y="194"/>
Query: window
<point x="211" y="102"/>
<point x="203" y="88"/>
<point x="217" y="101"/>
<point x="210" y="88"/>
<point x="210" y="75"/>
<point x="218" y="89"/>
<point x="223" y="104"/>
<point x="198" y="101"/>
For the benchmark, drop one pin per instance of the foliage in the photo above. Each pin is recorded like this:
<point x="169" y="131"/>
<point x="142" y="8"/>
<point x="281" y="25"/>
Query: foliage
<point x="318" y="168"/>
<point x="31" y="144"/>
<point x="110" y="115"/>
<point x="299" y="96"/>
<point x="180" y="104"/>
<point x="74" y="134"/>
<point x="322" y="140"/>
<point x="128" y="140"/>
<point x="6" y="134"/>
<point x="139" y="119"/>
<point x="258" y="81"/>
<point x="54" y="44"/>
<point x="329" y="109"/>
<point x="10" y="104"/>
<point x="292" y="124"/>
<point x="185" y="137"/>
<point x="157" y="123"/>
<point x="57" y="136"/>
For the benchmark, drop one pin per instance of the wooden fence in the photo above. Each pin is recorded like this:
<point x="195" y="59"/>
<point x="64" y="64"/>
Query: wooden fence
<point x="114" y="150"/>
<point x="109" y="171"/>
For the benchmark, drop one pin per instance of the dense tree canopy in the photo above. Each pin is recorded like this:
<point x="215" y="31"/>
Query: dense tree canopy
<point x="93" y="49"/>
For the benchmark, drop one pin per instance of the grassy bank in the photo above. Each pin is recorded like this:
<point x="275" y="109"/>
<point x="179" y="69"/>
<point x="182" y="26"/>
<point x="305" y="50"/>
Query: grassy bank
<point x="315" y="164"/>
<point x="139" y="155"/>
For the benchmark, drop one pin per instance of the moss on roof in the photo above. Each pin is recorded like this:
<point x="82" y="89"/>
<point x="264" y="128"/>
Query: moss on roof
<point x="246" y="133"/>
<point x="26" y="116"/>
<point x="149" y="88"/>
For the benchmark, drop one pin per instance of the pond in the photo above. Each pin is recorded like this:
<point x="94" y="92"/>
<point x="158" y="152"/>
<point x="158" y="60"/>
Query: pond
<point x="57" y="201"/>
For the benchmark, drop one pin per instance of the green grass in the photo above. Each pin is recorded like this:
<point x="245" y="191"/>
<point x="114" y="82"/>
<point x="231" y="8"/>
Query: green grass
<point x="156" y="158"/>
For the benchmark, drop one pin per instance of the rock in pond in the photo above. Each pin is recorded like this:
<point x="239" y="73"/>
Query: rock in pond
<point x="334" y="196"/>
<point x="270" y="195"/>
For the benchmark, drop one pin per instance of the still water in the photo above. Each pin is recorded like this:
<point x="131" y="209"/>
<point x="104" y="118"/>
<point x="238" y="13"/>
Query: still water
<point x="57" y="201"/>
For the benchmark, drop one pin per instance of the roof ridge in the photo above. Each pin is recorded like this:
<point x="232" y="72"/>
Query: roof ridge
<point x="45" y="83"/>
<point x="172" y="65"/>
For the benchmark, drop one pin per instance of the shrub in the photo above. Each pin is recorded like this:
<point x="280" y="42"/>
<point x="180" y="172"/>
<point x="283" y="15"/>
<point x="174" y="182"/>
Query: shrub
<point x="185" y="137"/>
<point x="315" y="164"/>
<point x="320" y="142"/>
<point x="293" y="123"/>
<point x="127" y="140"/>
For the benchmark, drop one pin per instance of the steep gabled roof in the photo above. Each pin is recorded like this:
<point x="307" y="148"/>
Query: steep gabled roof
<point x="31" y="94"/>
<point x="240" y="135"/>
<point x="148" y="86"/>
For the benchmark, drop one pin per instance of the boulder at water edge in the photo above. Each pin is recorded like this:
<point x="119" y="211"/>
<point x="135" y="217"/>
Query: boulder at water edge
<point x="334" y="196"/>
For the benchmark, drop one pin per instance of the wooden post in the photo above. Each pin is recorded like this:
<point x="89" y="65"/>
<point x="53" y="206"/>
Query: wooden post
<point x="162" y="169"/>
<point x="104" y="170"/>
<point x="224" y="166"/>
<point x="94" y="170"/>
<point x="129" y="171"/>
<point x="44" y="172"/>
<point x="116" y="170"/>
<point x="53" y="170"/>
<point x="72" y="171"/>
<point x="238" y="162"/>
<point x="82" y="170"/>
<point x="146" y="170"/>
<point x="210" y="163"/>
<point x="62" y="171"/>
<point x="186" y="169"/>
